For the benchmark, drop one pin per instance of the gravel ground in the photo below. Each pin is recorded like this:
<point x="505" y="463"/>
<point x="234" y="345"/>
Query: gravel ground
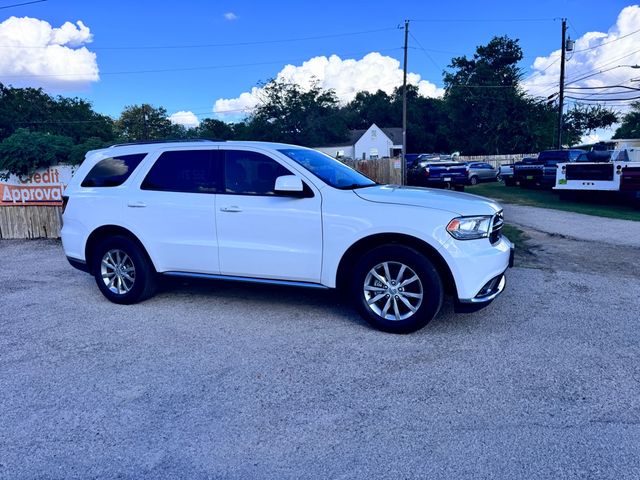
<point x="575" y="225"/>
<point x="218" y="380"/>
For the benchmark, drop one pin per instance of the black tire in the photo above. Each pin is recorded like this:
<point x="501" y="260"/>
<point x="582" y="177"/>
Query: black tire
<point x="429" y="284"/>
<point x="473" y="180"/>
<point x="509" y="182"/>
<point x="144" y="281"/>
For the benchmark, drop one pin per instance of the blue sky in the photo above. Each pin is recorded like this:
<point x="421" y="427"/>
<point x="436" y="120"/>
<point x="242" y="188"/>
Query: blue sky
<point x="447" y="29"/>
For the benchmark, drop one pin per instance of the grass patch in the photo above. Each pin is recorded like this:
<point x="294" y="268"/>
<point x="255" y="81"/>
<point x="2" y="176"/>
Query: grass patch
<point x="551" y="199"/>
<point x="517" y="236"/>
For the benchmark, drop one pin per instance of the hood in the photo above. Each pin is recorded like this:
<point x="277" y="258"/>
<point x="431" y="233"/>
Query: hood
<point x="455" y="202"/>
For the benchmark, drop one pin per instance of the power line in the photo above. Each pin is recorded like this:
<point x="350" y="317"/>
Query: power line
<point x="182" y="69"/>
<point x="483" y="20"/>
<point x="21" y="4"/>
<point x="605" y="99"/>
<point x="210" y="45"/>
<point x="424" y="50"/>
<point x="606" y="87"/>
<point x="607" y="43"/>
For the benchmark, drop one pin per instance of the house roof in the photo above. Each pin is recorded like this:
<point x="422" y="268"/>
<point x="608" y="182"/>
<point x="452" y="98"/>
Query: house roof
<point x="394" y="134"/>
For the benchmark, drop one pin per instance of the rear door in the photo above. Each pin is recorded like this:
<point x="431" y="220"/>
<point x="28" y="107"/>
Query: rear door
<point x="262" y="234"/>
<point x="174" y="209"/>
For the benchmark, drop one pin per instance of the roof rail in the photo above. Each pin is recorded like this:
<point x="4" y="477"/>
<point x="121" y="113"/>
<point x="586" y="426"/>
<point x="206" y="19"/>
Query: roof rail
<point x="167" y="140"/>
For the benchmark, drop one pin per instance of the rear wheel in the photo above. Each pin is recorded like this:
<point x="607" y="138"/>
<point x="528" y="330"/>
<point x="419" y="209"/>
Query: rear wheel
<point x="396" y="289"/>
<point x="473" y="180"/>
<point x="122" y="271"/>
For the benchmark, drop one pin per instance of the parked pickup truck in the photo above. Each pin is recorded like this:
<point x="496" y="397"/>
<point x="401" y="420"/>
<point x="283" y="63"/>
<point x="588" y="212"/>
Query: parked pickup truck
<point x="542" y="172"/>
<point x="506" y="171"/>
<point x="438" y="171"/>
<point x="605" y="171"/>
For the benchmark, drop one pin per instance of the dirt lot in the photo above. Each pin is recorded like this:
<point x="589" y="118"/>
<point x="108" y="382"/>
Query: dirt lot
<point x="215" y="380"/>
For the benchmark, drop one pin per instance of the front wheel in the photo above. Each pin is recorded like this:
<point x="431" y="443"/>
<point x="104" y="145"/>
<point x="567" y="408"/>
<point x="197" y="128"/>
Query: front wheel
<point x="396" y="289"/>
<point x="122" y="271"/>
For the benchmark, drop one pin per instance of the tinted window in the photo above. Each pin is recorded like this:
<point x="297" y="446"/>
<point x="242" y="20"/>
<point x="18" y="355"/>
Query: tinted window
<point x="189" y="171"/>
<point x="328" y="169"/>
<point x="251" y="173"/>
<point x="112" y="172"/>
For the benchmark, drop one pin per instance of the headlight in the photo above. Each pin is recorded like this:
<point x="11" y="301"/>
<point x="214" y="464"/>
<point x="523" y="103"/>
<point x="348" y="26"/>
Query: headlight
<point x="423" y="164"/>
<point x="469" y="228"/>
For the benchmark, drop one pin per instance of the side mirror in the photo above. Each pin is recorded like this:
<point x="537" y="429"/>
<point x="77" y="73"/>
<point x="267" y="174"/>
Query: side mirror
<point x="290" y="186"/>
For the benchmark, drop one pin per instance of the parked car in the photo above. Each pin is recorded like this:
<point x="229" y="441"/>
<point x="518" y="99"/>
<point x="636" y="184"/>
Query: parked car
<point x="542" y="172"/>
<point x="439" y="171"/>
<point x="481" y="172"/>
<point x="280" y="214"/>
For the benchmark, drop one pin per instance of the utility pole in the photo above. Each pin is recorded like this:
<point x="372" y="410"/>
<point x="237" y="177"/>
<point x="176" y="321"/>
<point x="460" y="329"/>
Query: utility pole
<point x="145" y="119"/>
<point x="561" y="96"/>
<point x="403" y="163"/>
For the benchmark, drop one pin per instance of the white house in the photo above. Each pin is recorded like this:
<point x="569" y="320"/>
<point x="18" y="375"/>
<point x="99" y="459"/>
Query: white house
<point x="372" y="143"/>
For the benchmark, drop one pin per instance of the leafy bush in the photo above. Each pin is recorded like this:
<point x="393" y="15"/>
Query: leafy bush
<point x="24" y="152"/>
<point x="79" y="151"/>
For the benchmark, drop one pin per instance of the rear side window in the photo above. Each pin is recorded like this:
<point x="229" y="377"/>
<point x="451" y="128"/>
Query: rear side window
<point x="187" y="171"/>
<point x="251" y="173"/>
<point x="112" y="172"/>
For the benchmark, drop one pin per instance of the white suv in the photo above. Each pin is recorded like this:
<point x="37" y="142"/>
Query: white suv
<point x="275" y="213"/>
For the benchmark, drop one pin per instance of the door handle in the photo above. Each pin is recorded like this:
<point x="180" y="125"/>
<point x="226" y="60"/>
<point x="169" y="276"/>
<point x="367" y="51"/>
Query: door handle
<point x="231" y="209"/>
<point x="136" y="204"/>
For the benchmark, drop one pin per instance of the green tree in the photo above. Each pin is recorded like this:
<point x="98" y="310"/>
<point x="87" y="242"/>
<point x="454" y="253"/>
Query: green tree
<point x="145" y="122"/>
<point x="213" y="128"/>
<point x="582" y="119"/>
<point x="367" y="108"/>
<point x="79" y="151"/>
<point x="33" y="109"/>
<point x="485" y="103"/>
<point x="288" y="113"/>
<point x="630" y="126"/>
<point x="24" y="152"/>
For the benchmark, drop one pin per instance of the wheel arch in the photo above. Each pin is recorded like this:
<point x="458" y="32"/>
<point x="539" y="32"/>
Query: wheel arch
<point x="355" y="251"/>
<point x="106" y="231"/>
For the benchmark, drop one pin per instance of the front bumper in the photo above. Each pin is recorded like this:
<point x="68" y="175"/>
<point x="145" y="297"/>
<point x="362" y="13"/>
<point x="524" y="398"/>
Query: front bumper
<point x="488" y="292"/>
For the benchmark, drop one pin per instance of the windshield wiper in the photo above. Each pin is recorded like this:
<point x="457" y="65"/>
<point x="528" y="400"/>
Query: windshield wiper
<point x="355" y="186"/>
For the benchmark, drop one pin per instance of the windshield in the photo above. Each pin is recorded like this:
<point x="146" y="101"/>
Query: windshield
<point x="328" y="169"/>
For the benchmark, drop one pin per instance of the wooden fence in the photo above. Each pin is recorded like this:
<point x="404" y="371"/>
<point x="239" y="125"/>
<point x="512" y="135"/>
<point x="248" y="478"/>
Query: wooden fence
<point x="383" y="170"/>
<point x="30" y="222"/>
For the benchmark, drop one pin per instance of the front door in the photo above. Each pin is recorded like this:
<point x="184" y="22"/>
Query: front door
<point x="261" y="234"/>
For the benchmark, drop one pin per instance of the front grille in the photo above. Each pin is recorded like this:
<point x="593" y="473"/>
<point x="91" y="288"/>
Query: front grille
<point x="496" y="228"/>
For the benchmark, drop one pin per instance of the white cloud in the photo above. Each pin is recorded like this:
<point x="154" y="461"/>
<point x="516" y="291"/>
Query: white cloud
<point x="618" y="47"/>
<point x="55" y="59"/>
<point x="346" y="77"/>
<point x="230" y="16"/>
<point x="186" y="119"/>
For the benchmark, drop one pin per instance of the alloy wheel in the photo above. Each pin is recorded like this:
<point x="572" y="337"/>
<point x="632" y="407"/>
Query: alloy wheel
<point x="118" y="271"/>
<point x="393" y="291"/>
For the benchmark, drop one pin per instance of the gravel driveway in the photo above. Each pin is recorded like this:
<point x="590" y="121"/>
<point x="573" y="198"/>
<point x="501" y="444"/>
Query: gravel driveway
<point x="218" y="380"/>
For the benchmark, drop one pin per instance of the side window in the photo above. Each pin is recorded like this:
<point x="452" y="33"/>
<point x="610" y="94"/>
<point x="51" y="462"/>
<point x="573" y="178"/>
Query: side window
<point x="251" y="173"/>
<point x="112" y="172"/>
<point x="187" y="171"/>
